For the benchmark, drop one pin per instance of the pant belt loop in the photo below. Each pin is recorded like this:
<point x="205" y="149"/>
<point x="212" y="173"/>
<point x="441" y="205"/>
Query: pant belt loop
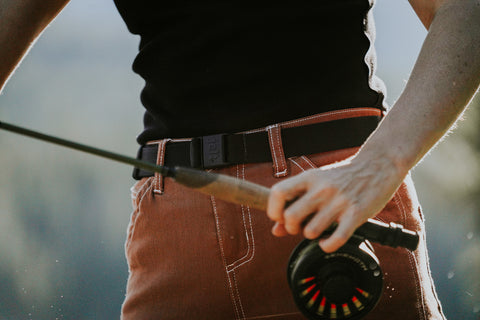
<point x="280" y="168"/>
<point x="159" y="185"/>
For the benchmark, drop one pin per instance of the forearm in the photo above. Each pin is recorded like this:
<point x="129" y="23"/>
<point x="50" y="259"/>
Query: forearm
<point x="443" y="81"/>
<point x="21" y="21"/>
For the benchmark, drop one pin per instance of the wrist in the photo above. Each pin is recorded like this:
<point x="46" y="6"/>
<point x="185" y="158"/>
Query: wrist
<point x="386" y="159"/>
<point x="387" y="152"/>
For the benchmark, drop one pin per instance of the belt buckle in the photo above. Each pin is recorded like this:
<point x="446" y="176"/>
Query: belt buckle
<point x="208" y="151"/>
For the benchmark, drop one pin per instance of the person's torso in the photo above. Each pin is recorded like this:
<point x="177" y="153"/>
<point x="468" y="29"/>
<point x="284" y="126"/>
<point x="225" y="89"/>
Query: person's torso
<point x="227" y="66"/>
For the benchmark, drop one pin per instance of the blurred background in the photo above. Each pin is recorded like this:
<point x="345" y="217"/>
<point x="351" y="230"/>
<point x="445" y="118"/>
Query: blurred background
<point x="63" y="214"/>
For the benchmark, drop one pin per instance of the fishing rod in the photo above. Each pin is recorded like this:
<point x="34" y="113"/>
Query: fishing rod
<point x="219" y="185"/>
<point x="349" y="281"/>
<point x="222" y="186"/>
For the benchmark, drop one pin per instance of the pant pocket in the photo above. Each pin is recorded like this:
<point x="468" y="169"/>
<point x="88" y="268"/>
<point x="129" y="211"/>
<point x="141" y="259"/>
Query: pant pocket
<point x="317" y="160"/>
<point x="234" y="226"/>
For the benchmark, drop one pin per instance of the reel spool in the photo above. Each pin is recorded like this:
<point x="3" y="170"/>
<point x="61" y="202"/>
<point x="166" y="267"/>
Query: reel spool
<point x="345" y="284"/>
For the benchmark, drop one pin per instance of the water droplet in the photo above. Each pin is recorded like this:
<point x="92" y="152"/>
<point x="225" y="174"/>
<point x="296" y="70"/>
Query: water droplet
<point x="476" y="308"/>
<point x="470" y="235"/>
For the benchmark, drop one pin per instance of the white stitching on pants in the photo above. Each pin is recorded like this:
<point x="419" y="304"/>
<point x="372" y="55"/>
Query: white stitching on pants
<point x="219" y="235"/>
<point x="146" y="184"/>
<point x="374" y="111"/>
<point x="307" y="160"/>
<point x="252" y="236"/>
<point x="432" y="287"/>
<point x="238" y="295"/>
<point x="282" y="155"/>
<point x="231" y="266"/>
<point x="274" y="156"/>
<point x="136" y="189"/>
<point x="160" y="161"/>
<point x="248" y="233"/>
<point x="137" y="209"/>
<point x="413" y="265"/>
<point x="274" y="147"/>
<point x="297" y="164"/>
<point x="411" y="257"/>
<point x="326" y="114"/>
<point x="253" y="244"/>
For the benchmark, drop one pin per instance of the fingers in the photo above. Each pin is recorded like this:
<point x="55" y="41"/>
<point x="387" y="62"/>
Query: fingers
<point x="320" y="206"/>
<point x="348" y="194"/>
<point x="309" y="206"/>
<point x="325" y="217"/>
<point x="291" y="218"/>
<point x="278" y="230"/>
<point x="342" y="233"/>
<point x="281" y="194"/>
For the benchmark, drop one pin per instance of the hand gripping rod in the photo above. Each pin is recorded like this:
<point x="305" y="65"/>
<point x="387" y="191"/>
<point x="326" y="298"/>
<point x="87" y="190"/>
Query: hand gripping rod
<point x="226" y="188"/>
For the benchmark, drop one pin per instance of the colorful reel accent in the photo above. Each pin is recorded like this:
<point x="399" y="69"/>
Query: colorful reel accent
<point x="326" y="309"/>
<point x="346" y="284"/>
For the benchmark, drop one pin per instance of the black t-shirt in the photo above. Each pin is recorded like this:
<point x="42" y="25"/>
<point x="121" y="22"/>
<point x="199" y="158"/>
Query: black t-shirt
<point x="228" y="66"/>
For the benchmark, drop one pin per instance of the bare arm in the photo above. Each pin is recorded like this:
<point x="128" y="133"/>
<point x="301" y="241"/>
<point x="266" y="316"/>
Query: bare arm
<point x="21" y="21"/>
<point x="443" y="81"/>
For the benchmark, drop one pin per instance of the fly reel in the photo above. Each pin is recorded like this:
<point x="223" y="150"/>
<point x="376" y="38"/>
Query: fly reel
<point x="347" y="283"/>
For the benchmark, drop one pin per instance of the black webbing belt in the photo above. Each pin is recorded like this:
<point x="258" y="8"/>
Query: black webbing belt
<point x="229" y="149"/>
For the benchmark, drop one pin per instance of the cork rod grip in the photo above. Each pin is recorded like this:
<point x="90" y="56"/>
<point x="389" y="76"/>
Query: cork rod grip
<point x="256" y="196"/>
<point x="223" y="187"/>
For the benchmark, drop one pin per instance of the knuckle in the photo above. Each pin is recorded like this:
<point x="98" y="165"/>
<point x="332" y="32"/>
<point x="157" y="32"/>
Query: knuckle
<point x="311" y="232"/>
<point x="278" y="191"/>
<point x="341" y="237"/>
<point x="291" y="217"/>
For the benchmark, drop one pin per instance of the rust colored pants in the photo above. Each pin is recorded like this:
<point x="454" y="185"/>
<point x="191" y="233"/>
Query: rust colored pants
<point x="192" y="256"/>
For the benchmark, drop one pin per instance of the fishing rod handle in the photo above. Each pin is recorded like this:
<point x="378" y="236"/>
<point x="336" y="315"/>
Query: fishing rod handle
<point x="256" y="196"/>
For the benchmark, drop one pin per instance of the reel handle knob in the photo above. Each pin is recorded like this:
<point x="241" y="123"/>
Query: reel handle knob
<point x="393" y="235"/>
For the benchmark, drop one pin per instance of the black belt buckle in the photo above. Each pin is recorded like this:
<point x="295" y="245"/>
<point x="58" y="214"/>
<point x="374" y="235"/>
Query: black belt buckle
<point x="208" y="152"/>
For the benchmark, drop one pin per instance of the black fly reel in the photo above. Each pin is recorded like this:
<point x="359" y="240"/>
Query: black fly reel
<point x="347" y="283"/>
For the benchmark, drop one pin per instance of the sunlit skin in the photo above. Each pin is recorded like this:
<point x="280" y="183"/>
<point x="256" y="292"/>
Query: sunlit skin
<point x="21" y="22"/>
<point x="443" y="81"/>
